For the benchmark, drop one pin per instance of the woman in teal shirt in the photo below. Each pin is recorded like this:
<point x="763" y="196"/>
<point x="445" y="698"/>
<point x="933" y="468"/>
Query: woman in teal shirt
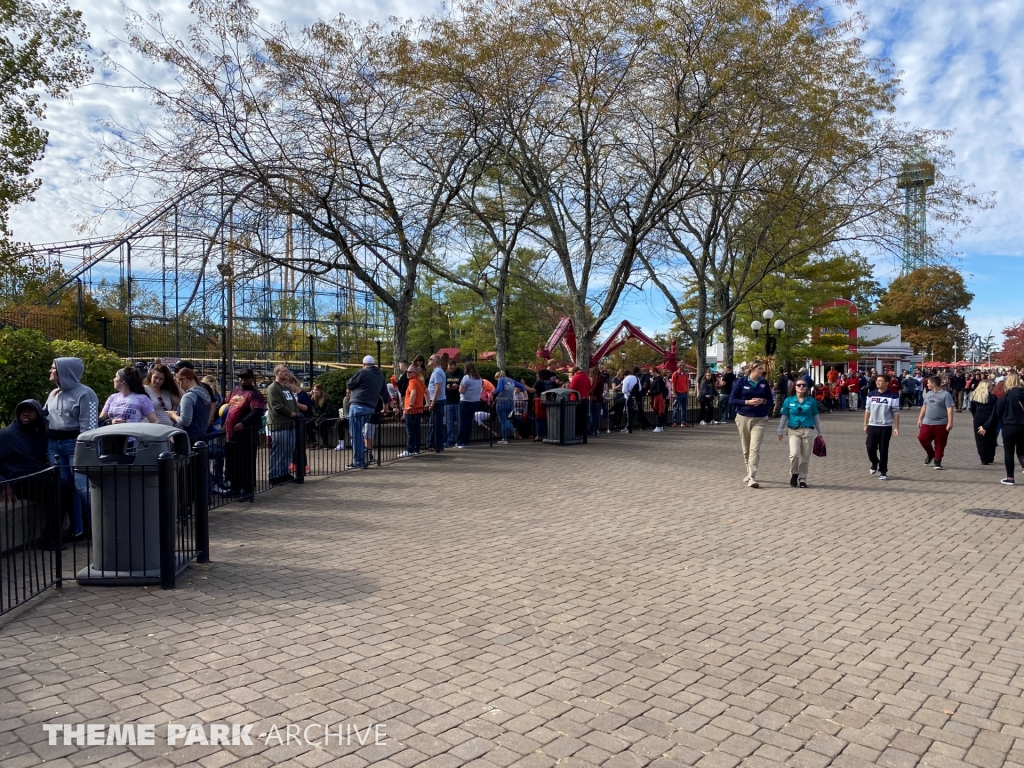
<point x="800" y="415"/>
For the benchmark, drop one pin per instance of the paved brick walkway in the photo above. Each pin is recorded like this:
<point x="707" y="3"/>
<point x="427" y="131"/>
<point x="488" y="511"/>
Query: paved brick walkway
<point x="627" y="603"/>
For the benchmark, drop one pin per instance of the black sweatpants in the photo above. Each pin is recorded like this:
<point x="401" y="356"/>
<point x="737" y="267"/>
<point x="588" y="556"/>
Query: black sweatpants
<point x="1013" y="443"/>
<point x="878" y="447"/>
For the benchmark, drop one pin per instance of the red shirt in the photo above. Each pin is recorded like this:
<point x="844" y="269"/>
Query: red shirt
<point x="581" y="383"/>
<point x="680" y="383"/>
<point x="242" y="402"/>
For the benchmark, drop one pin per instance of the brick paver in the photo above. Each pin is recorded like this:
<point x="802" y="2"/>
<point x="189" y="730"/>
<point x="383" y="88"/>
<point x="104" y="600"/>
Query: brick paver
<point x="626" y="603"/>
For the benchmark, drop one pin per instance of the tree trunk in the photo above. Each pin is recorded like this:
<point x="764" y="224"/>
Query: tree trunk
<point x="500" y="342"/>
<point x="400" y="333"/>
<point x="584" y="335"/>
<point x="728" y="336"/>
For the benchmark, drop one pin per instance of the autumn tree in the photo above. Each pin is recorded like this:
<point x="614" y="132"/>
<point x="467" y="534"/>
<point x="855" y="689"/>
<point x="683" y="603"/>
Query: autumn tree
<point x="591" y="107"/>
<point x="928" y="304"/>
<point x="803" y="162"/>
<point x="1012" y="352"/>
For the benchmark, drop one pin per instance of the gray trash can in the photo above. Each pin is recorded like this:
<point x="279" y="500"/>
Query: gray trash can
<point x="121" y="463"/>
<point x="560" y="405"/>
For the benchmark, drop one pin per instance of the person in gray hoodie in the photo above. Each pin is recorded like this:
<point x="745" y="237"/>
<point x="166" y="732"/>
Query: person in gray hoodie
<point x="70" y="409"/>
<point x="193" y="414"/>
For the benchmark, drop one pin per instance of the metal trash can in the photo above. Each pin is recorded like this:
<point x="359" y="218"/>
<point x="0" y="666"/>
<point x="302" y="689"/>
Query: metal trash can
<point x="121" y="463"/>
<point x="560" y="405"/>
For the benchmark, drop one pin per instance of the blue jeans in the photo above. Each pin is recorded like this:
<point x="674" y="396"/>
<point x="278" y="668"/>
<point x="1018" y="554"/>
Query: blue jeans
<point x="282" y="450"/>
<point x="725" y="409"/>
<point x="412" y="432"/>
<point x="679" y="409"/>
<point x="842" y="402"/>
<point x="595" y="417"/>
<point x="504" y="410"/>
<point x="62" y="455"/>
<point x="466" y="411"/>
<point x="451" y="418"/>
<point x="358" y="415"/>
<point x="435" y="434"/>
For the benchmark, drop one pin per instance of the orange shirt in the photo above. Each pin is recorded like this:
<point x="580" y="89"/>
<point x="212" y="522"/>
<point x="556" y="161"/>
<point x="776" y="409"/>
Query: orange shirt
<point x="680" y="383"/>
<point x="415" y="395"/>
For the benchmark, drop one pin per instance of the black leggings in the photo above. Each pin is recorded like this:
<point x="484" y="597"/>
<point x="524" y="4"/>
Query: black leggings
<point x="1013" y="443"/>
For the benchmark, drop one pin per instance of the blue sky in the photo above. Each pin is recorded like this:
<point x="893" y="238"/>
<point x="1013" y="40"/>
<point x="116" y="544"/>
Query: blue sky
<point x="961" y="70"/>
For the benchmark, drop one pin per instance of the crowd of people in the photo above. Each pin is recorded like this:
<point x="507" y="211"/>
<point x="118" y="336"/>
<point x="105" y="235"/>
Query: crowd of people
<point x="453" y="398"/>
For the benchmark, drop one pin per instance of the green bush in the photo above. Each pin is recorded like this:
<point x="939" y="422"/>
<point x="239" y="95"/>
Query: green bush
<point x="100" y="364"/>
<point x="334" y="383"/>
<point x="25" y="359"/>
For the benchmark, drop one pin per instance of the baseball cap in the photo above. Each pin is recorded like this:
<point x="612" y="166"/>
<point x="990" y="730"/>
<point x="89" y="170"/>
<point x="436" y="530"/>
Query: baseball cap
<point x="248" y="373"/>
<point x="183" y="364"/>
<point x="368" y="360"/>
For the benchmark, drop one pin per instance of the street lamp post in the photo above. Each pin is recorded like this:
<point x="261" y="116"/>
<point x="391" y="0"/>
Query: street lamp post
<point x="770" y="341"/>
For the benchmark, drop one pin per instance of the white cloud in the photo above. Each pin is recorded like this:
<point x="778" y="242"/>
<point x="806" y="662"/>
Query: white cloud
<point x="961" y="70"/>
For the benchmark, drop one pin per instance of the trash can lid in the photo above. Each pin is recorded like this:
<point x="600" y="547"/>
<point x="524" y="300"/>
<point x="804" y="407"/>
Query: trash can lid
<point x="144" y="432"/>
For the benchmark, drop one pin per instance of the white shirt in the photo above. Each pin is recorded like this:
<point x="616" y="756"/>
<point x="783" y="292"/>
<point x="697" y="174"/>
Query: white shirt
<point x="629" y="384"/>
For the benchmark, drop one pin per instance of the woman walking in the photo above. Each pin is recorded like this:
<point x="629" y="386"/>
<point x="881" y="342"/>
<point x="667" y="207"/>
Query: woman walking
<point x="799" y="415"/>
<point x="752" y="396"/>
<point x="982" y="405"/>
<point x="1010" y="410"/>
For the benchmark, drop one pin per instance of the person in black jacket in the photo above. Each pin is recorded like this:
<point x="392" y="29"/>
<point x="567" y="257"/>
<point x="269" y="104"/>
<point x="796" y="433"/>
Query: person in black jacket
<point x="1010" y="410"/>
<point x="23" y="454"/>
<point x="982" y="405"/>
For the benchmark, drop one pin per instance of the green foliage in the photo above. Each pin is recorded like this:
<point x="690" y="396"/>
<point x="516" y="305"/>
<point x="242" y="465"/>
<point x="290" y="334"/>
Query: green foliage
<point x="334" y="383"/>
<point x="794" y="294"/>
<point x="25" y="358"/>
<point x="928" y="303"/>
<point x="100" y="364"/>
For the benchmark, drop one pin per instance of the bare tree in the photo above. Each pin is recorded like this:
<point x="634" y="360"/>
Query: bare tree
<point x="327" y="129"/>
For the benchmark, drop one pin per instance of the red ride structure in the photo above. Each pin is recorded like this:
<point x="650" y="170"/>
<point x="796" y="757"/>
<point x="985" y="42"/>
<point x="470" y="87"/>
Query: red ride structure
<point x="565" y="334"/>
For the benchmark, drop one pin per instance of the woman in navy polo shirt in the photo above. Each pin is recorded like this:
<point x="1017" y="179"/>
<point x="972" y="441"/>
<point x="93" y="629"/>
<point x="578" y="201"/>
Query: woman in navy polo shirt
<point x="752" y="398"/>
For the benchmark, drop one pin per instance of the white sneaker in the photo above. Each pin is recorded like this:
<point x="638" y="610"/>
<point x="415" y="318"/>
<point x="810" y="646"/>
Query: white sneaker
<point x="405" y="454"/>
<point x="753" y="483"/>
<point x="608" y="432"/>
<point x="503" y="442"/>
<point x="883" y="477"/>
<point x="872" y="470"/>
<point x="746" y="479"/>
<point x="623" y="430"/>
<point x="340" y="446"/>
<point x="714" y="422"/>
<point x="703" y="423"/>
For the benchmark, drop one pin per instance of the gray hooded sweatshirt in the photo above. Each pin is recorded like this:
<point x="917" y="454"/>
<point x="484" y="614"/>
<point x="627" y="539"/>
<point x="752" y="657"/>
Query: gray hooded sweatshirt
<point x="72" y="407"/>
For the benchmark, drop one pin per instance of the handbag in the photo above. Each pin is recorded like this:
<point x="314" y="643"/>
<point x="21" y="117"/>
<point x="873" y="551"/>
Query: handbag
<point x="818" y="449"/>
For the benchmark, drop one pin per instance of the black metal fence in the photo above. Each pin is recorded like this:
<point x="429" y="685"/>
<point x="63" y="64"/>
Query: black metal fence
<point x="30" y="537"/>
<point x="142" y="525"/>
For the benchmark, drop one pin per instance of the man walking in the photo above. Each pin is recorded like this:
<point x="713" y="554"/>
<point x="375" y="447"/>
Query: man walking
<point x="631" y="391"/>
<point x="365" y="390"/>
<point x="282" y="418"/>
<point x="934" y="421"/>
<point x="958" y="382"/>
<point x="881" y="422"/>
<point x="752" y="398"/>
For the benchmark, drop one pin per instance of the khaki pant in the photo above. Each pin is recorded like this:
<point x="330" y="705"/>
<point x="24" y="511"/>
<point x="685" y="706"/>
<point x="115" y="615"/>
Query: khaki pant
<point x="751" y="434"/>
<point x="800" y="443"/>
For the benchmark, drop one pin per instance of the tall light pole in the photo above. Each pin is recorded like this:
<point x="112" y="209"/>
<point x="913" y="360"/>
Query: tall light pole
<point x="770" y="341"/>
